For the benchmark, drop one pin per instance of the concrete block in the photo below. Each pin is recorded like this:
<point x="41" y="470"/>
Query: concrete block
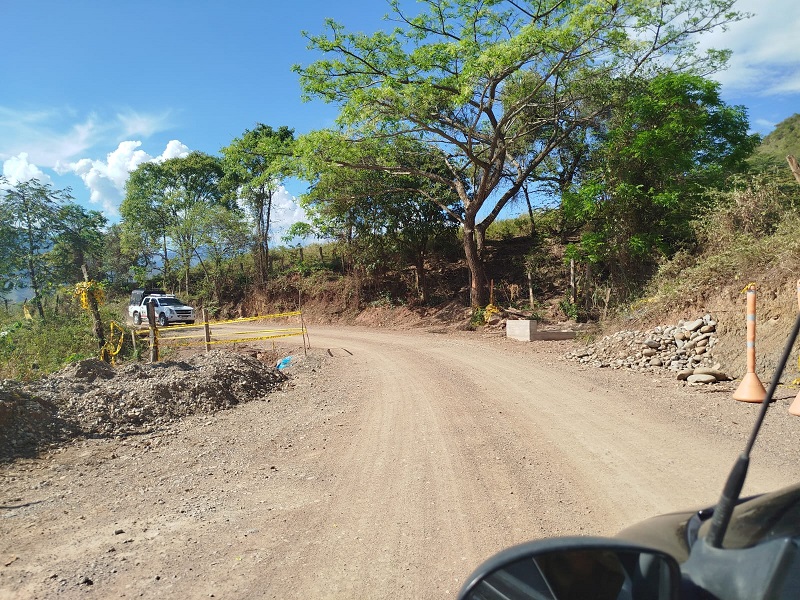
<point x="521" y="330"/>
<point x="528" y="331"/>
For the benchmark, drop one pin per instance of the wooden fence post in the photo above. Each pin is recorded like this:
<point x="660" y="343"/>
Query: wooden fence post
<point x="151" y="320"/>
<point x="207" y="328"/>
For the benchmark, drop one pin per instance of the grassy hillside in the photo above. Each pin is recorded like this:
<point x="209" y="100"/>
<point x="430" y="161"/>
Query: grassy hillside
<point x="774" y="148"/>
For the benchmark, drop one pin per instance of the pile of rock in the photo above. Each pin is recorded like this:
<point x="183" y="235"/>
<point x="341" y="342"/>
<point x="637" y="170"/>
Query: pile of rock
<point x="685" y="348"/>
<point x="92" y="398"/>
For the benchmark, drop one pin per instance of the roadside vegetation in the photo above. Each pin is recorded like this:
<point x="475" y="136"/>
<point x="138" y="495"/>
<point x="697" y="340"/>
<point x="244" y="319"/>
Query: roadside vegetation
<point x="632" y="179"/>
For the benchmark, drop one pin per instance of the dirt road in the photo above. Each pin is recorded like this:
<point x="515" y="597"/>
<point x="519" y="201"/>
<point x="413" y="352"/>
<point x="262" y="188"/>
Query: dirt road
<point x="390" y="472"/>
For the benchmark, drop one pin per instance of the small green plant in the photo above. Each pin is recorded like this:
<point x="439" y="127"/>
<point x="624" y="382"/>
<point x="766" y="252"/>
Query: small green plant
<point x="384" y="299"/>
<point x="478" y="318"/>
<point x="569" y="308"/>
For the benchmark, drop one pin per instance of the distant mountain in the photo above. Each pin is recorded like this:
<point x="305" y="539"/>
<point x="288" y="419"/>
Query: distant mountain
<point x="774" y="148"/>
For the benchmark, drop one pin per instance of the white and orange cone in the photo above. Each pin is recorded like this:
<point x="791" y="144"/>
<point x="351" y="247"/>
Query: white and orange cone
<point x="751" y="389"/>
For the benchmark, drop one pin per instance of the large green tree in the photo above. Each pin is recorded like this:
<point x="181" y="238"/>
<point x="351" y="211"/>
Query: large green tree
<point x="146" y="220"/>
<point x="165" y="201"/>
<point x="656" y="154"/>
<point x="80" y="242"/>
<point x="255" y="165"/>
<point x="32" y="210"/>
<point x="380" y="216"/>
<point x="223" y="235"/>
<point x="498" y="85"/>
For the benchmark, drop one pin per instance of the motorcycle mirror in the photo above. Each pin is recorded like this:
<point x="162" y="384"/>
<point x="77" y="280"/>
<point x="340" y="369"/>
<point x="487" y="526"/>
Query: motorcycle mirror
<point x="584" y="568"/>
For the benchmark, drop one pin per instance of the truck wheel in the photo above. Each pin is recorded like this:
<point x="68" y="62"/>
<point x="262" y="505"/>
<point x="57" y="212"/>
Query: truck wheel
<point x="162" y="320"/>
<point x="137" y="319"/>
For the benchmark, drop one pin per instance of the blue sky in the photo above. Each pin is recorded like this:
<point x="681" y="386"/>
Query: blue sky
<point x="89" y="89"/>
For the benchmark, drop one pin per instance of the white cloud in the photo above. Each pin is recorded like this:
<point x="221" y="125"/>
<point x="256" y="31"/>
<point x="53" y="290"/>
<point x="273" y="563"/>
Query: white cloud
<point x="39" y="135"/>
<point x="135" y="124"/>
<point x="18" y="169"/>
<point x="106" y="179"/>
<point x="174" y="149"/>
<point x="285" y="212"/>
<point x="764" y="60"/>
<point x="59" y="135"/>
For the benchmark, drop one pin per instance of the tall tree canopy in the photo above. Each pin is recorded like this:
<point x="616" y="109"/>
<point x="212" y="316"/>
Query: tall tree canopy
<point x="80" y="242"/>
<point x="164" y="203"/>
<point x="254" y="167"/>
<point x="30" y="211"/>
<point x="497" y="86"/>
<point x="380" y="215"/>
<point x="654" y="156"/>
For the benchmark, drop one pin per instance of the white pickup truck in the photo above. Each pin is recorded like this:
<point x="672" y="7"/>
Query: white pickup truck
<point x="168" y="309"/>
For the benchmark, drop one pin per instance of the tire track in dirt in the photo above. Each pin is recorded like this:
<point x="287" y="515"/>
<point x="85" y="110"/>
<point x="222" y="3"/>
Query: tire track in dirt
<point x="437" y="482"/>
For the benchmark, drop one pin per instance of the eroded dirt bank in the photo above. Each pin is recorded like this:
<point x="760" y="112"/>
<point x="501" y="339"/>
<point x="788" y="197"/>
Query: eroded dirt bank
<point x="390" y="465"/>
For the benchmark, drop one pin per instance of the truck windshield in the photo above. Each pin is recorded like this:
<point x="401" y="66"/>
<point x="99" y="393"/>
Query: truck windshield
<point x="170" y="302"/>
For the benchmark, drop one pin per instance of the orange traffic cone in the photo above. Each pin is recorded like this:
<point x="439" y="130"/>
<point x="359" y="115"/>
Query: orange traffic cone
<point x="794" y="409"/>
<point x="751" y="389"/>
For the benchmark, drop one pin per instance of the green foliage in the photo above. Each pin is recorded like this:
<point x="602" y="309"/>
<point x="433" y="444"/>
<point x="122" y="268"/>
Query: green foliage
<point x="378" y="217"/>
<point x="165" y="206"/>
<point x="32" y="348"/>
<point x="569" y="308"/>
<point x="748" y="232"/>
<point x="496" y="87"/>
<point x="508" y="229"/>
<point x="661" y="152"/>
<point x="79" y="242"/>
<point x="254" y="166"/>
<point x="478" y="317"/>
<point x="44" y="238"/>
<point x="752" y="205"/>
<point x="782" y="141"/>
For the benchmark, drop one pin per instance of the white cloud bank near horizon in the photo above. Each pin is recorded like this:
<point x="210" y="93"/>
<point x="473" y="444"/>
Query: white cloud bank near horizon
<point x="106" y="179"/>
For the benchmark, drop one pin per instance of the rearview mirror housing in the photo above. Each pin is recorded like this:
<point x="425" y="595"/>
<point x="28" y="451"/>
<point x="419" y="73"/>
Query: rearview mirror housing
<point x="575" y="568"/>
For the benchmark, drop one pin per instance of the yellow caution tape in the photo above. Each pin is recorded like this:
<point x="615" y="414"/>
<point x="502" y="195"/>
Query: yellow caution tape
<point x="748" y="286"/>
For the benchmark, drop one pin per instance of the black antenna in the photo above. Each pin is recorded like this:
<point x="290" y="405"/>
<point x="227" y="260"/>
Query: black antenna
<point x="733" y="487"/>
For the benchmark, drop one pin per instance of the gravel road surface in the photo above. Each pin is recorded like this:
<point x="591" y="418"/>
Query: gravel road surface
<point x="394" y="464"/>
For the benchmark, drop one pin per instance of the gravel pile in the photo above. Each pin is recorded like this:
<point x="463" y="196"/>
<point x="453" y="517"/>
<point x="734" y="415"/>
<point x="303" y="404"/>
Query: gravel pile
<point x="685" y="348"/>
<point x="91" y="398"/>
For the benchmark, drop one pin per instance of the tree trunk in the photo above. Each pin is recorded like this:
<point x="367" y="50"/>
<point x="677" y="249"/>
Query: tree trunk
<point x="166" y="263"/>
<point x="422" y="278"/>
<point x="587" y="297"/>
<point x="530" y="289"/>
<point x="534" y="233"/>
<point x="265" y="241"/>
<point x="573" y="288"/>
<point x="214" y="280"/>
<point x="33" y="274"/>
<point x="794" y="166"/>
<point x="97" y="322"/>
<point x="260" y="259"/>
<point x="479" y="284"/>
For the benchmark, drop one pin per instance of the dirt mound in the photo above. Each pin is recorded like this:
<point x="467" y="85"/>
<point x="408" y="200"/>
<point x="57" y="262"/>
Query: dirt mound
<point x="26" y="422"/>
<point x="93" y="399"/>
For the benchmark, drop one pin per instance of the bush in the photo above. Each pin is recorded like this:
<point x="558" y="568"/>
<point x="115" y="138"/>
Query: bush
<point x="32" y="348"/>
